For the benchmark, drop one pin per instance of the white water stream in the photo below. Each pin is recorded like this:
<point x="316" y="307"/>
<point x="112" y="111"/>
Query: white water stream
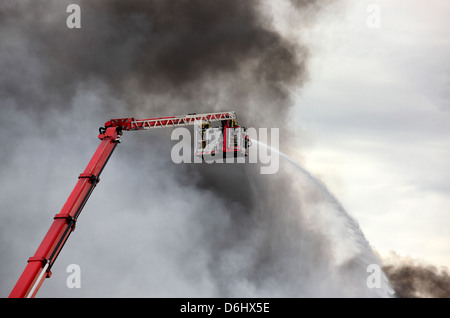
<point x="343" y="231"/>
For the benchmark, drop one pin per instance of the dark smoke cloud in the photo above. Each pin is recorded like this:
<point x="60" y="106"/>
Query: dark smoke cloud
<point x="414" y="279"/>
<point x="158" y="56"/>
<point x="214" y="230"/>
<point x="153" y="58"/>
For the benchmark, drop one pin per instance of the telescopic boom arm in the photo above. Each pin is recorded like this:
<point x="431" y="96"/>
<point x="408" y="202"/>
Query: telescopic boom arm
<point x="38" y="267"/>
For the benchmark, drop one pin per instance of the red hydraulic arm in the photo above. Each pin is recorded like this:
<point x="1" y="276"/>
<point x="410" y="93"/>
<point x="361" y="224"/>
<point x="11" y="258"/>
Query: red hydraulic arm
<point x="38" y="267"/>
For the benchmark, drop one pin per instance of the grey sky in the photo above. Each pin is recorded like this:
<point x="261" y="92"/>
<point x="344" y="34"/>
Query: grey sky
<point x="376" y="112"/>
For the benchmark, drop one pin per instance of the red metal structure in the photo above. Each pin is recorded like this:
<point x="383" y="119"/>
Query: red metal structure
<point x="38" y="267"/>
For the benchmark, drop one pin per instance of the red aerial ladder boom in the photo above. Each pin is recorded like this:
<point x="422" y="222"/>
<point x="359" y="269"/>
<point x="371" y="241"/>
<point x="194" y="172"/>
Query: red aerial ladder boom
<point x="173" y="121"/>
<point x="38" y="267"/>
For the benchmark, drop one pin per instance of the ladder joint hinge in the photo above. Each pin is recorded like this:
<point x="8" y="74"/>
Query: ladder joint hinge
<point x="69" y="219"/>
<point x="44" y="261"/>
<point x="92" y="178"/>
